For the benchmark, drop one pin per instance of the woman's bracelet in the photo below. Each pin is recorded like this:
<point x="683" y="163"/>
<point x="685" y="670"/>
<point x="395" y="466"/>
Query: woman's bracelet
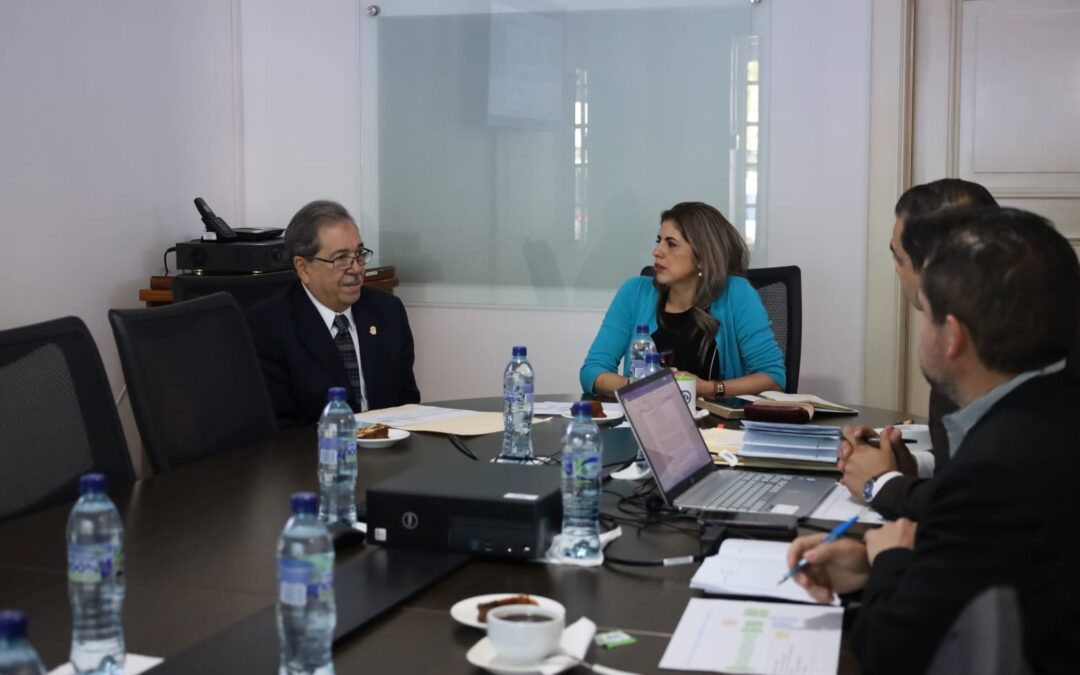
<point x="720" y="389"/>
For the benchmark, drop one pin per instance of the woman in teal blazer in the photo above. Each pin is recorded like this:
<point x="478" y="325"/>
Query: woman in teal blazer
<point x="698" y="306"/>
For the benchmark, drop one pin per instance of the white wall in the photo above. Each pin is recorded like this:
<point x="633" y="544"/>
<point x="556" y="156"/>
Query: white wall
<point x="819" y="121"/>
<point x="113" y="117"/>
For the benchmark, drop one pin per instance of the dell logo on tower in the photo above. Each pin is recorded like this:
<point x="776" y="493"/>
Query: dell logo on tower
<point x="410" y="520"/>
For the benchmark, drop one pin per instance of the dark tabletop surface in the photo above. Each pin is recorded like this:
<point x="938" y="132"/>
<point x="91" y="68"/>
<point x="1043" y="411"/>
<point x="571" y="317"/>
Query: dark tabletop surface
<point x="200" y="552"/>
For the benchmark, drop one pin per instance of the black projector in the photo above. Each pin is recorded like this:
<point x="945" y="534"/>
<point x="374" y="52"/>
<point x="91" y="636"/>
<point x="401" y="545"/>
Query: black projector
<point x="504" y="510"/>
<point x="233" y="256"/>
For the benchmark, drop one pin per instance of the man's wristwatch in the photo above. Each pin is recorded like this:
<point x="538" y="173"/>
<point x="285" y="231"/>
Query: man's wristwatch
<point x="868" y="489"/>
<point x="720" y="389"/>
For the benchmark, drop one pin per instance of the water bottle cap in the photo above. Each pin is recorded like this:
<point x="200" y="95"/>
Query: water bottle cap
<point x="579" y="408"/>
<point x="643" y="328"/>
<point x="337" y="394"/>
<point x="12" y="624"/>
<point x="92" y="483"/>
<point x="521" y="351"/>
<point x="652" y="357"/>
<point x="305" y="503"/>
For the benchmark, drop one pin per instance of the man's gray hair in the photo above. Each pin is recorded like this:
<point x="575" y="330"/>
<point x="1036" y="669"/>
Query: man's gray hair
<point x="302" y="234"/>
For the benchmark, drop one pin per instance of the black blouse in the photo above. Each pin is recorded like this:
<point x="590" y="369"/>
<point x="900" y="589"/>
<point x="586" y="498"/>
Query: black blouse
<point x="680" y="338"/>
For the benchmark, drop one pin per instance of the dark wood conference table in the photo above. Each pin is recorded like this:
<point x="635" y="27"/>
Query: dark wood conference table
<point x="201" y="572"/>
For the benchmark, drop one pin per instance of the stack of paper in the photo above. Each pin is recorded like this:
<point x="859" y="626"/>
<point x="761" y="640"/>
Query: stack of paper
<point x="790" y="441"/>
<point x="728" y="636"/>
<point x="749" y="567"/>
<point x="820" y="404"/>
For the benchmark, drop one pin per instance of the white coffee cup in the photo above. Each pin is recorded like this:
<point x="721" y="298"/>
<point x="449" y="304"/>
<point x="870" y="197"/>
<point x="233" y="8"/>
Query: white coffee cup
<point x="525" y="633"/>
<point x="688" y="386"/>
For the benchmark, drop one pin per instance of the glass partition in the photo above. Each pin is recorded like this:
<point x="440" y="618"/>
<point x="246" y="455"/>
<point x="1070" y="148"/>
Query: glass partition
<point x="519" y="152"/>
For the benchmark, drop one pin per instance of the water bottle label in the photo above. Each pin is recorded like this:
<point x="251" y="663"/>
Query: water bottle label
<point x="637" y="368"/>
<point x="519" y="394"/>
<point x="328" y="450"/>
<point x="581" y="468"/>
<point x="346" y="449"/>
<point x="91" y="563"/>
<point x="308" y="578"/>
<point x="528" y="396"/>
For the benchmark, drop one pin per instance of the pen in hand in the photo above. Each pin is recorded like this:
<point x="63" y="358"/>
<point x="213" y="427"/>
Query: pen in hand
<point x="832" y="536"/>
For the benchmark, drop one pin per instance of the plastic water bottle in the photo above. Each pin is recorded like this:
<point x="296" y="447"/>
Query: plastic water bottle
<point x="17" y="657"/>
<point x="337" y="460"/>
<point x="518" y="408"/>
<point x="306" y="613"/>
<point x="95" y="547"/>
<point x="581" y="454"/>
<point x="639" y="348"/>
<point x="652" y="365"/>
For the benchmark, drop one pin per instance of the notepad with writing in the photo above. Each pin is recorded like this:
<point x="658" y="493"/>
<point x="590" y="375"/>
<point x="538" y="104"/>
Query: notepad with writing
<point x="820" y="404"/>
<point x="751" y="568"/>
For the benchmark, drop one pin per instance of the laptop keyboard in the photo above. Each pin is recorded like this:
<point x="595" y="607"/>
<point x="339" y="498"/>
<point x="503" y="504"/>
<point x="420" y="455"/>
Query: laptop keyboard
<point x="751" y="493"/>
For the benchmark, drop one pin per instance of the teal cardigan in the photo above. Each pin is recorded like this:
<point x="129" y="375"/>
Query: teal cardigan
<point x="745" y="342"/>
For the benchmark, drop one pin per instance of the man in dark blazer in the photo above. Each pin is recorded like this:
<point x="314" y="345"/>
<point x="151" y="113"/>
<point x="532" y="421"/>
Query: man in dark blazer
<point x="1001" y="293"/>
<point x="327" y="330"/>
<point x="888" y="476"/>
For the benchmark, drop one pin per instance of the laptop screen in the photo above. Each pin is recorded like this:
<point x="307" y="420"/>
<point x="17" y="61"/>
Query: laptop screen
<point x="666" y="431"/>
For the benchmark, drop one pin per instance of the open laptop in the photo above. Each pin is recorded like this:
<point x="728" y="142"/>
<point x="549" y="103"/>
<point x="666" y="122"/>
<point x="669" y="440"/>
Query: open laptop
<point x="684" y="469"/>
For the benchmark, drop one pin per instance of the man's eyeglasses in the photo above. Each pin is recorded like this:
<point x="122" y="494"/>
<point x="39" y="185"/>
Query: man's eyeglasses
<point x="344" y="262"/>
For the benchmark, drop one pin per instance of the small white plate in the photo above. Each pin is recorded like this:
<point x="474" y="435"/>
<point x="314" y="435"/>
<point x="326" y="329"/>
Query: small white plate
<point x="482" y="655"/>
<point x="465" y="611"/>
<point x="394" y="434"/>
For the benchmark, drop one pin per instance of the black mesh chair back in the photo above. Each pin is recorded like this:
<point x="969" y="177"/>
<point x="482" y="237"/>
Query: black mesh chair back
<point x="780" y="289"/>
<point x="194" y="380"/>
<point x="248" y="289"/>
<point x="57" y="417"/>
<point x="986" y="639"/>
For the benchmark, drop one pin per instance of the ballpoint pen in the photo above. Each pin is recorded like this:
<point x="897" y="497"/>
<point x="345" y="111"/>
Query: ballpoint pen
<point x="832" y="536"/>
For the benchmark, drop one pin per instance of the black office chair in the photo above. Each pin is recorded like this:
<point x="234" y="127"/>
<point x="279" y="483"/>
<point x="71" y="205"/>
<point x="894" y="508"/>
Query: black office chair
<point x="57" y="417"/>
<point x="195" y="383"/>
<point x="780" y="289"/>
<point x="986" y="639"/>
<point x="248" y="289"/>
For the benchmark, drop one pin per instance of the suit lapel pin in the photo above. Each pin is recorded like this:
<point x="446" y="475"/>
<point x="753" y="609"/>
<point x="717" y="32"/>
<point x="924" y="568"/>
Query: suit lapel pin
<point x="373" y="330"/>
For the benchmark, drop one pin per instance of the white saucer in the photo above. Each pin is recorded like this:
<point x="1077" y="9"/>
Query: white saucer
<point x="395" y="436"/>
<point x="700" y="413"/>
<point x="482" y="655"/>
<point x="465" y="611"/>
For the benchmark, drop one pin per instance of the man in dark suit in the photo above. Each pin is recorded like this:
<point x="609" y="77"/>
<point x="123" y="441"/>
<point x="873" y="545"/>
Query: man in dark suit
<point x="888" y="476"/>
<point x="326" y="330"/>
<point x="1000" y="293"/>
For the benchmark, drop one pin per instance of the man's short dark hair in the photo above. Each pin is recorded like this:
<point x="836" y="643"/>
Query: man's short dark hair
<point x="922" y="200"/>
<point x="1011" y="279"/>
<point x="302" y="234"/>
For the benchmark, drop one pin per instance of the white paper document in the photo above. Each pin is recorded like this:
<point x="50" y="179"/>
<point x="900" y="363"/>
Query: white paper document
<point x="133" y="665"/>
<point x="749" y="567"/>
<point x="414" y="417"/>
<point x="730" y="636"/>
<point x="839" y="505"/>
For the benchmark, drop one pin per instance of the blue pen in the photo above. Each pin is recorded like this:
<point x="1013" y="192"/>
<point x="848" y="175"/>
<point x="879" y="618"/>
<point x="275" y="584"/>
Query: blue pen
<point x="836" y="533"/>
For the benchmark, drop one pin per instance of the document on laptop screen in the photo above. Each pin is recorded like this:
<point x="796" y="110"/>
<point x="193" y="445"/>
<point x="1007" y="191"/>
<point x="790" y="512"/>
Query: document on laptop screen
<point x="666" y="431"/>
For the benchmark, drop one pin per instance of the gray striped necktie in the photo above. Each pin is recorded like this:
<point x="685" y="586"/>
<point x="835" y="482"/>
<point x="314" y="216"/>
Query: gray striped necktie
<point x="348" y="353"/>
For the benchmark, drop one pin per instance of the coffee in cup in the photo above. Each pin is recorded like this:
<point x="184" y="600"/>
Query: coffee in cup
<point x="524" y="633"/>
